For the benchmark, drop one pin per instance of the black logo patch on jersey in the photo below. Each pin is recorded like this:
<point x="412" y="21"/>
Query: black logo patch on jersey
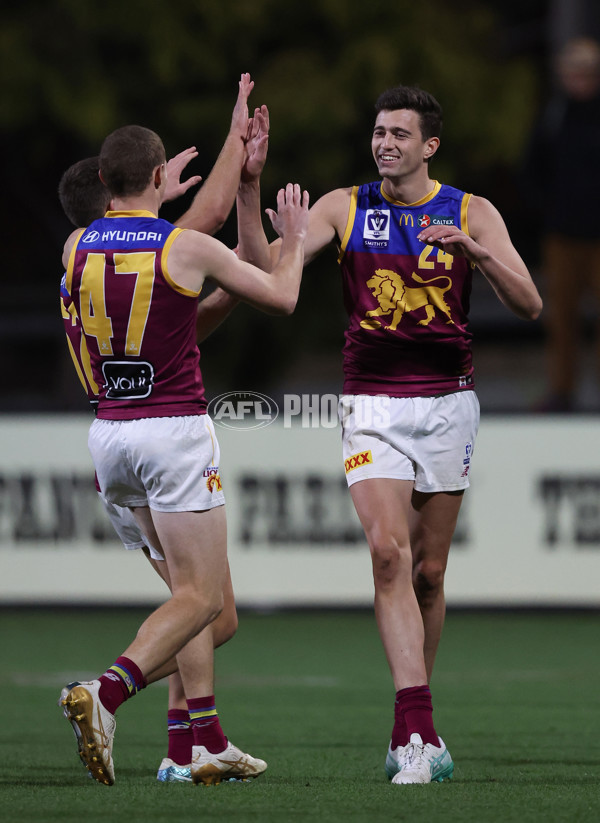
<point x="127" y="380"/>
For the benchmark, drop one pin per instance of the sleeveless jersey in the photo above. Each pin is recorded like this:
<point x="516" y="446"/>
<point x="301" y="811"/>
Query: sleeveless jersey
<point x="77" y="345"/>
<point x="407" y="302"/>
<point x="139" y="326"/>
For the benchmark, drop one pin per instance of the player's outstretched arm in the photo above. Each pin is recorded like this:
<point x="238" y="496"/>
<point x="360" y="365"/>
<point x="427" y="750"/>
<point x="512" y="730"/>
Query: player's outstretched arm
<point x="194" y="257"/>
<point x="213" y="202"/>
<point x="219" y="305"/>
<point x="489" y="247"/>
<point x="253" y="246"/>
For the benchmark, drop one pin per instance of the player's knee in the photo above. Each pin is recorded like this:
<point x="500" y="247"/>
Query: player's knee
<point x="428" y="579"/>
<point x="202" y="607"/>
<point x="225" y="626"/>
<point x="390" y="561"/>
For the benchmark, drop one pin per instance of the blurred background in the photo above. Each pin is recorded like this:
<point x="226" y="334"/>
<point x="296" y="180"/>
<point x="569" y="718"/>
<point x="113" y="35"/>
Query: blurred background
<point x="72" y="72"/>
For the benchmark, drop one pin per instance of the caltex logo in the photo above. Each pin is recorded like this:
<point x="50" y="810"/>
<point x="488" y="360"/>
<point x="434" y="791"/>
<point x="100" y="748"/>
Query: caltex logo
<point x="423" y="220"/>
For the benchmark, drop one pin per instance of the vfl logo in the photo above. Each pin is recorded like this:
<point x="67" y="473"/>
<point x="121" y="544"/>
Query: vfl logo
<point x="360" y="459"/>
<point x="395" y="298"/>
<point x="377" y="227"/>
<point x="467" y="459"/>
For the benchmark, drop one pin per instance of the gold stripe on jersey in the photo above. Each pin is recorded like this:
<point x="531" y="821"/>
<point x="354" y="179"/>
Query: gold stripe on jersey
<point x="349" y="222"/>
<point x="77" y="366"/>
<point x="464" y="208"/>
<point x="436" y="189"/>
<point x="165" y="269"/>
<point x="69" y="271"/>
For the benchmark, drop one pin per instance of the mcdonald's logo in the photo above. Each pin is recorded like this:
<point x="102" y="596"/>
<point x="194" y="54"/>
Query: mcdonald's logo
<point x="406" y="220"/>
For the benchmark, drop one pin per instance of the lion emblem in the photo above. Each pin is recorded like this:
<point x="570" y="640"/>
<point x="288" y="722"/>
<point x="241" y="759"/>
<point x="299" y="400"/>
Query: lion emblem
<point x="395" y="298"/>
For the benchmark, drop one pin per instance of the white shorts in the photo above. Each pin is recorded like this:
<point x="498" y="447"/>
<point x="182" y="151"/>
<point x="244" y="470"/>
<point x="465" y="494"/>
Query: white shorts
<point x="428" y="440"/>
<point x="170" y="464"/>
<point x="127" y="529"/>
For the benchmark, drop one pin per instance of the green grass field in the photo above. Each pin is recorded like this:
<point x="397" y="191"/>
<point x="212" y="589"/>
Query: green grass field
<point x="516" y="696"/>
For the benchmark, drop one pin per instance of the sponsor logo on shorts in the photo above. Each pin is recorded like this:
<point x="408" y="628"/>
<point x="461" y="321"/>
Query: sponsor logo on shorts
<point x="213" y="479"/>
<point x="213" y="483"/>
<point x="357" y="460"/>
<point x="467" y="459"/>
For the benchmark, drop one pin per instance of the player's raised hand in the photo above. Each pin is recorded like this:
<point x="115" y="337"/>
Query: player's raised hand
<point x="239" y="118"/>
<point x="257" y="143"/>
<point x="291" y="217"/>
<point x="175" y="166"/>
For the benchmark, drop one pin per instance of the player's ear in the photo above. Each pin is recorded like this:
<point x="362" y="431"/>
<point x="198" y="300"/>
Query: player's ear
<point x="160" y="175"/>
<point x="431" y="146"/>
<point x="101" y="178"/>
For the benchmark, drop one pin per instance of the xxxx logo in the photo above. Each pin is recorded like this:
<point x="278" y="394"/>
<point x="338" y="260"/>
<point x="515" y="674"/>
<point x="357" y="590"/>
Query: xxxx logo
<point x="360" y="459"/>
<point x="214" y="483"/>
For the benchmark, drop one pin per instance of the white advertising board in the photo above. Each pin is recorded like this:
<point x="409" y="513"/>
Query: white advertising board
<point x="528" y="535"/>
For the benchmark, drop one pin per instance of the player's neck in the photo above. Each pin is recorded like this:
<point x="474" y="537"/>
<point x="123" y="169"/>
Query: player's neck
<point x="147" y="201"/>
<point x="408" y="190"/>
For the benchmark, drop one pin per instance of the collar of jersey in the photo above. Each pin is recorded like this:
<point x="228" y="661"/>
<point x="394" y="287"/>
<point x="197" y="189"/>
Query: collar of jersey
<point x="436" y="188"/>
<point x="132" y="213"/>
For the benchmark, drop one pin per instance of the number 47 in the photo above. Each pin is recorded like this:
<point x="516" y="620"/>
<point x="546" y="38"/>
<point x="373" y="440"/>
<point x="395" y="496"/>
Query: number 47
<point x="94" y="319"/>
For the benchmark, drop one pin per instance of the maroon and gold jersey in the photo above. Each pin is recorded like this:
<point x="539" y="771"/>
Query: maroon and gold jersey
<point x="407" y="302"/>
<point x="77" y="345"/>
<point x="139" y="326"/>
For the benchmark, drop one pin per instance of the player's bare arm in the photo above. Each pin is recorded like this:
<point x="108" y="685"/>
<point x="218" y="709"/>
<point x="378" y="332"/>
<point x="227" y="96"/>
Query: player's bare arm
<point x="489" y="247"/>
<point x="194" y="257"/>
<point x="68" y="247"/>
<point x="253" y="246"/>
<point x="213" y="202"/>
<point x="214" y="309"/>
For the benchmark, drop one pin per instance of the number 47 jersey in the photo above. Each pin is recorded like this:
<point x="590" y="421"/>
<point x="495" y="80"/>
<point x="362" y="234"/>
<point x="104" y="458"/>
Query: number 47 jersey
<point x="139" y="325"/>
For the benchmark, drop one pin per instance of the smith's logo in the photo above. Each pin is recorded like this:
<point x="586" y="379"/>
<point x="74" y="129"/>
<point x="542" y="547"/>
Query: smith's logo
<point x="360" y="459"/>
<point x="406" y="220"/>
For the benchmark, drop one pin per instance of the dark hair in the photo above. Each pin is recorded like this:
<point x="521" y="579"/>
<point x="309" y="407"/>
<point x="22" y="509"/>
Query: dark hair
<point x="127" y="159"/>
<point x="82" y="194"/>
<point x="414" y="99"/>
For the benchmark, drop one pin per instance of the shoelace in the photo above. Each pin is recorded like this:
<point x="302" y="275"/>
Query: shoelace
<point x="413" y="755"/>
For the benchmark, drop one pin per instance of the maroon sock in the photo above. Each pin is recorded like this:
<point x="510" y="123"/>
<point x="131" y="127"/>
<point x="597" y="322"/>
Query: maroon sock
<point x="399" y="732"/>
<point x="204" y="721"/>
<point x="414" y="710"/>
<point x="120" y="682"/>
<point x="181" y="737"/>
